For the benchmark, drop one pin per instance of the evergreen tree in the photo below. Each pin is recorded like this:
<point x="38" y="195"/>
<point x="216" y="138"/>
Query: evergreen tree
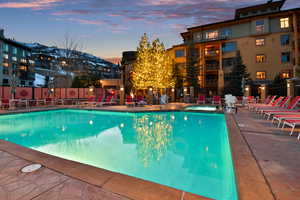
<point x="152" y="67"/>
<point x="142" y="73"/>
<point x="238" y="73"/>
<point x="192" y="70"/>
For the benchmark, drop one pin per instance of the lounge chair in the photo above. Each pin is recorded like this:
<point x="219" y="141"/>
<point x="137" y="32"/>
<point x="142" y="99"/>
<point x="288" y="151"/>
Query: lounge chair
<point x="281" y="118"/>
<point x="291" y="123"/>
<point x="90" y="101"/>
<point x="4" y="103"/>
<point x="109" y="100"/>
<point x="201" y="99"/>
<point x="282" y="111"/>
<point x="129" y="101"/>
<point x="216" y="100"/>
<point x="274" y="104"/>
<point x="269" y="100"/>
<point x="281" y="105"/>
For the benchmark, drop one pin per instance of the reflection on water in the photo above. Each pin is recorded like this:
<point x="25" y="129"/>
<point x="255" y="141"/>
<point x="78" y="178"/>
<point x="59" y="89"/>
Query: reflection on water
<point x="153" y="134"/>
<point x="188" y="151"/>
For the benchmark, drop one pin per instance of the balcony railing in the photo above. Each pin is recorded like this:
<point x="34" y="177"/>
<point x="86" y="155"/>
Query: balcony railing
<point x="212" y="67"/>
<point x="221" y="37"/>
<point x="211" y="82"/>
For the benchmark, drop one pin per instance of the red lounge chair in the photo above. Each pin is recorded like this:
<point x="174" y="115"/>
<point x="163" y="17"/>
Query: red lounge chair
<point x="281" y="118"/>
<point x="291" y="123"/>
<point x="141" y="101"/>
<point x="201" y="99"/>
<point x="281" y="105"/>
<point x="129" y="101"/>
<point x="269" y="101"/>
<point x="216" y="100"/>
<point x="4" y="103"/>
<point x="288" y="110"/>
<point x="275" y="104"/>
<point x="109" y="100"/>
<point x="90" y="101"/>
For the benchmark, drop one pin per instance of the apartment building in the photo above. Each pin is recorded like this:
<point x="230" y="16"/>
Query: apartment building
<point x="16" y="65"/>
<point x="266" y="36"/>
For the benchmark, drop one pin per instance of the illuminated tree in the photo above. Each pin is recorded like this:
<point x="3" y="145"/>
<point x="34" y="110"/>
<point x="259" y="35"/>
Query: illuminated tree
<point x="153" y="67"/>
<point x="153" y="134"/>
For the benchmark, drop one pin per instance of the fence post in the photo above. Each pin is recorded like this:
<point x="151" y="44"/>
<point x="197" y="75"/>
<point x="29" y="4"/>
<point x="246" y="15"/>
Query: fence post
<point x="264" y="91"/>
<point x="290" y="88"/>
<point x="247" y="91"/>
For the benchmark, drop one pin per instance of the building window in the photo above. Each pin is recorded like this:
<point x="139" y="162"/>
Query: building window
<point x="212" y="35"/>
<point x="14" y="50"/>
<point x="260" y="42"/>
<point x="5" y="81"/>
<point x="285" y="57"/>
<point x="227" y="32"/>
<point x="5" y="70"/>
<point x="261" y="58"/>
<point x="5" y="56"/>
<point x="228" y="62"/>
<point x="284" y="22"/>
<point x="286" y="74"/>
<point x="14" y="59"/>
<point x="23" y="68"/>
<point x="260" y="26"/>
<point x="229" y="47"/>
<point x="260" y="75"/>
<point x="285" y="40"/>
<point x="179" y="53"/>
<point x="5" y="47"/>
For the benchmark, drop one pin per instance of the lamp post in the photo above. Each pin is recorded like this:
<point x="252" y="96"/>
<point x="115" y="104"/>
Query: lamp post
<point x="122" y="95"/>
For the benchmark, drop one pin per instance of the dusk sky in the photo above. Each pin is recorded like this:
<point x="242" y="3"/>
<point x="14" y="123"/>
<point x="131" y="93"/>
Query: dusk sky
<point x="108" y="27"/>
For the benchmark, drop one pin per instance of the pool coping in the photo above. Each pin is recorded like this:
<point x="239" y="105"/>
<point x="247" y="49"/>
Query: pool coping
<point x="248" y="187"/>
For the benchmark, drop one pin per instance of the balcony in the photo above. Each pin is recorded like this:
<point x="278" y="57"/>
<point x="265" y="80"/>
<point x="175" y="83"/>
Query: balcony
<point x="211" y="82"/>
<point x="212" y="67"/>
<point x="218" y="38"/>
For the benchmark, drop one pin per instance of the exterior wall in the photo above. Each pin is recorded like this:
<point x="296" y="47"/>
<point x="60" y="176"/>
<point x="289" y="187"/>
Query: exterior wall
<point x="272" y="50"/>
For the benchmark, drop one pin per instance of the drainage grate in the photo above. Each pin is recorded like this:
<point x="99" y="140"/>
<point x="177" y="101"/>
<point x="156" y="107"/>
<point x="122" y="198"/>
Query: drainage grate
<point x="31" y="168"/>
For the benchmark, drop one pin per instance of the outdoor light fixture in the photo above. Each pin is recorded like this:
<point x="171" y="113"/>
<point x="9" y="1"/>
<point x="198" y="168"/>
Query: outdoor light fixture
<point x="91" y="89"/>
<point x="173" y="90"/>
<point x="185" y="89"/>
<point x="150" y="89"/>
<point x="122" y="89"/>
<point x="288" y="85"/>
<point x="263" y="87"/>
<point x="52" y="89"/>
<point x="247" y="89"/>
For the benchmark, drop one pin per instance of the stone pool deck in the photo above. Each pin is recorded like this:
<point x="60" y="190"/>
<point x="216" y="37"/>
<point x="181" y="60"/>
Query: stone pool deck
<point x="277" y="154"/>
<point x="267" y="167"/>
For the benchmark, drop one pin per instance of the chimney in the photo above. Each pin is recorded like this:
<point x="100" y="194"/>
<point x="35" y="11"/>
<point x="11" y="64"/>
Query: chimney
<point x="2" y="33"/>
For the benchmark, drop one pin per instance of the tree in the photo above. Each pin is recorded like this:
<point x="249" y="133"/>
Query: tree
<point x="86" y="81"/>
<point x="152" y="67"/>
<point x="238" y="73"/>
<point x="278" y="86"/>
<point x="192" y="68"/>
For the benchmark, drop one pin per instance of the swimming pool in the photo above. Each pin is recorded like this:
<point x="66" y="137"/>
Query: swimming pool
<point x="185" y="150"/>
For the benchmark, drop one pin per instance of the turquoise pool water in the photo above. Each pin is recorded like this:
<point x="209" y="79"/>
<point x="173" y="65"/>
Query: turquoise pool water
<point x="184" y="150"/>
<point x="201" y="108"/>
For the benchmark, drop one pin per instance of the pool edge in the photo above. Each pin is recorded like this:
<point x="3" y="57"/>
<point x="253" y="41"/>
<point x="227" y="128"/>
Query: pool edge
<point x="250" y="181"/>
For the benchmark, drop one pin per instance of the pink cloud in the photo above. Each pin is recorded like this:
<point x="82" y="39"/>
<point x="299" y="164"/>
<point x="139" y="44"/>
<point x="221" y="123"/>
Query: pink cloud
<point x="33" y="4"/>
<point x="86" y="21"/>
<point x="167" y="2"/>
<point x="73" y="12"/>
